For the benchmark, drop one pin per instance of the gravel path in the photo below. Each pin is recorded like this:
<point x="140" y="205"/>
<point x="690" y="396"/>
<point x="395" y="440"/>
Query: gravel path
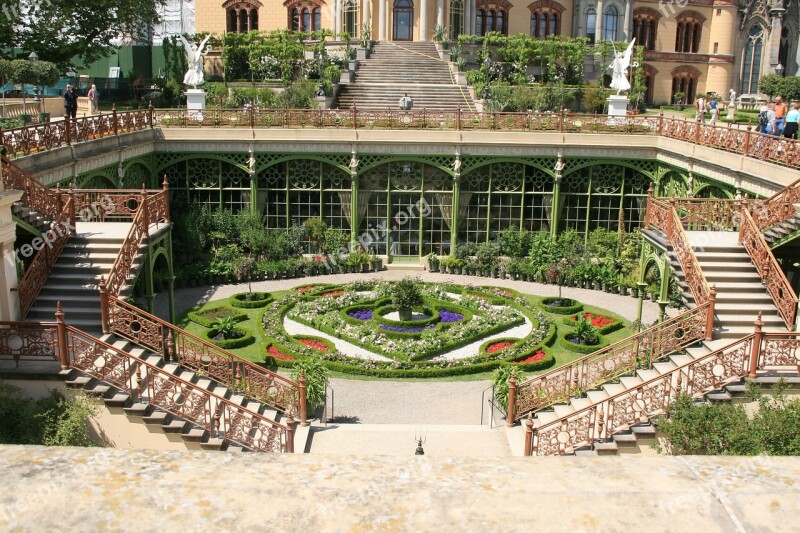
<point x="408" y="402"/>
<point x="296" y="328"/>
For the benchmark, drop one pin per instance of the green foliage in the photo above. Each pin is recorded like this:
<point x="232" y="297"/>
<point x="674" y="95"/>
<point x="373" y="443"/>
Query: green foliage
<point x="770" y="84"/>
<point x="487" y="253"/>
<point x="726" y="429"/>
<point x="315" y="230"/>
<point x="226" y="326"/>
<point x="245" y="338"/>
<point x="514" y="242"/>
<point x="406" y="293"/>
<point x="773" y="85"/>
<point x="61" y="31"/>
<point x="208" y="318"/>
<point x="465" y="251"/>
<point x="585" y="332"/>
<point x="300" y="95"/>
<point x="52" y="421"/>
<point x="316" y="380"/>
<point x="250" y="300"/>
<point x="500" y="381"/>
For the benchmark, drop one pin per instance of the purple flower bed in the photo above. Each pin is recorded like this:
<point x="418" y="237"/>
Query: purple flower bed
<point x="401" y="329"/>
<point x="364" y="314"/>
<point x="449" y="316"/>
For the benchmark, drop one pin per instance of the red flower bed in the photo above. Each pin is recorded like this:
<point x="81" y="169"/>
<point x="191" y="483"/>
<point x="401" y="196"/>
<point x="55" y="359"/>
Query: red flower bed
<point x="496" y="347"/>
<point x="274" y="352"/>
<point x="306" y="288"/>
<point x="314" y="345"/>
<point x="538" y="356"/>
<point x="598" y="321"/>
<point x="333" y="293"/>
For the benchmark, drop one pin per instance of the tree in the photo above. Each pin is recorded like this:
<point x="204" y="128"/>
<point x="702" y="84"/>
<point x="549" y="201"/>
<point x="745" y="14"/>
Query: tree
<point x="22" y="72"/>
<point x="770" y="84"/>
<point x="61" y="31"/>
<point x="6" y="71"/>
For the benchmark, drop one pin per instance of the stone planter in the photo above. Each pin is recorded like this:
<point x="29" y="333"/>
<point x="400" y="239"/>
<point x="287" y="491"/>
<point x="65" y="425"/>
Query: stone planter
<point x="362" y="53"/>
<point x="346" y="76"/>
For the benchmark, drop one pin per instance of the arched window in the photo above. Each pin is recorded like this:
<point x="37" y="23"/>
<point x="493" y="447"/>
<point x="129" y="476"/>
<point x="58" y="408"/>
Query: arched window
<point x="751" y="60"/>
<point x="684" y="80"/>
<point x="689" y="32"/>
<point x="545" y="18"/>
<point x="610" y="24"/>
<point x="591" y="23"/>
<point x="304" y="15"/>
<point x="241" y="15"/>
<point x="649" y="74"/>
<point x="492" y="15"/>
<point x="645" y="24"/>
<point x="456" y="18"/>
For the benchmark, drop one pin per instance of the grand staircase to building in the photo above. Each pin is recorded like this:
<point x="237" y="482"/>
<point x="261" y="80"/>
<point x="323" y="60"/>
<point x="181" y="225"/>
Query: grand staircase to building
<point x="394" y="69"/>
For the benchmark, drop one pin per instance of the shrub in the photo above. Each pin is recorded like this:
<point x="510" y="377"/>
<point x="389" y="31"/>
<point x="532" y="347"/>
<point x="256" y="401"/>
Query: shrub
<point x="406" y="293"/>
<point x="316" y="380"/>
<point x="208" y="318"/>
<point x="487" y="253"/>
<point x="250" y="300"/>
<point x="500" y="383"/>
<point x="561" y="306"/>
<point x="230" y="344"/>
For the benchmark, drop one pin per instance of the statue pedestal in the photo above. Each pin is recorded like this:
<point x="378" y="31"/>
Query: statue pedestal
<point x="617" y="108"/>
<point x="195" y="102"/>
<point x="731" y="111"/>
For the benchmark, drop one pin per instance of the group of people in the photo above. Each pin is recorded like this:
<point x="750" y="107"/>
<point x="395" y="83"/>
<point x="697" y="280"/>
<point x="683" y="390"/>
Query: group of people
<point x="711" y="105"/>
<point x="776" y="118"/>
<point x="71" y="101"/>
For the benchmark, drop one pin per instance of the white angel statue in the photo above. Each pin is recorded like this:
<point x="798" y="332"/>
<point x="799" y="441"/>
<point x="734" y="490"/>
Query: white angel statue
<point x="619" y="78"/>
<point x="194" y="56"/>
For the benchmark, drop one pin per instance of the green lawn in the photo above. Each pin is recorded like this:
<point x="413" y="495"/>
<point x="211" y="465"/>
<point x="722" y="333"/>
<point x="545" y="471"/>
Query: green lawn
<point x="255" y="351"/>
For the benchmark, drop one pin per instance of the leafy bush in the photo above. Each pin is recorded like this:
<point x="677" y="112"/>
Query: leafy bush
<point x="487" y="253"/>
<point x="230" y="344"/>
<point x="316" y="380"/>
<point x="250" y="300"/>
<point x="500" y="381"/>
<point x="209" y="317"/>
<point x="514" y="242"/>
<point x="561" y="306"/>
<point x="406" y="293"/>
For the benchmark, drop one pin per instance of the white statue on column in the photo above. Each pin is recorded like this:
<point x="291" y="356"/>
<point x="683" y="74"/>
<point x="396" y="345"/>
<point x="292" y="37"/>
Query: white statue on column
<point x="194" y="56"/>
<point x="619" y="77"/>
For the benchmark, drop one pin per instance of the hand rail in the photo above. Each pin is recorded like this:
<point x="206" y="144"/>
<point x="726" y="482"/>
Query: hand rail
<point x="578" y="376"/>
<point x="769" y="269"/>
<point x="600" y="420"/>
<point x="709" y="214"/>
<point x="36" y="195"/>
<point x="161" y="337"/>
<point x="28" y="340"/>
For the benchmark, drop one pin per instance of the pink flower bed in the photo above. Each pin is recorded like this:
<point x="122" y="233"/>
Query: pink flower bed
<point x="597" y="321"/>
<point x="315" y="345"/>
<point x="496" y="347"/>
<point x="538" y="356"/>
<point x="277" y="354"/>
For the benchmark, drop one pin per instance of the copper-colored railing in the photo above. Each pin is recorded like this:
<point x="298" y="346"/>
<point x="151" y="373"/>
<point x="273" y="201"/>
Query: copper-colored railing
<point x="618" y="359"/>
<point x="777" y="208"/>
<point x="32" y="139"/>
<point x="161" y="337"/>
<point x="146" y="383"/>
<point x="148" y="209"/>
<point x="599" y="421"/>
<point x="709" y="214"/>
<point x="769" y="269"/>
<point x="36" y="196"/>
<point x="664" y="217"/>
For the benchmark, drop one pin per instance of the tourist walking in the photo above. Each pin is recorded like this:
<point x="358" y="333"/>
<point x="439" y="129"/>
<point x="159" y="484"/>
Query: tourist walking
<point x="780" y="115"/>
<point x="790" y="127"/>
<point x="700" y="107"/>
<point x="713" y="106"/>
<point x="94" y="98"/>
<point x="70" y="103"/>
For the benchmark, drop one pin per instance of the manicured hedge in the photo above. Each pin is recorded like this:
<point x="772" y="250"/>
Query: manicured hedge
<point x="491" y="289"/>
<point x="379" y="317"/>
<point x="229" y="344"/>
<point x="199" y="318"/>
<point x="560" y="309"/>
<point x="580" y="348"/>
<point x="262" y="299"/>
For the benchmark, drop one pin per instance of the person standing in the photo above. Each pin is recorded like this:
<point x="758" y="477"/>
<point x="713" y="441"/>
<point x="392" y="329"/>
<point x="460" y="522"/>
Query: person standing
<point x="790" y="127"/>
<point x="780" y="115"/>
<point x="70" y="103"/>
<point x="94" y="98"/>
<point x="713" y="106"/>
<point x="700" y="108"/>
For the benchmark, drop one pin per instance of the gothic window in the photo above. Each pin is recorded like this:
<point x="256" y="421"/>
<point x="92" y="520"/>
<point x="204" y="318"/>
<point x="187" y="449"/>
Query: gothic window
<point x="591" y="22"/>
<point x="783" y="50"/>
<point x="690" y="29"/>
<point x="545" y="18"/>
<point x="491" y="17"/>
<point x="610" y="24"/>
<point x="241" y="15"/>
<point x="645" y="26"/>
<point x="751" y="62"/>
<point x="305" y="16"/>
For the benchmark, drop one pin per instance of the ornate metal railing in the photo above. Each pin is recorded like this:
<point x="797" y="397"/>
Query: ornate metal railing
<point x="709" y="214"/>
<point x="769" y="269"/>
<point x="148" y="209"/>
<point x="777" y="208"/>
<point x="778" y="350"/>
<point x="145" y="383"/>
<point x="623" y="357"/>
<point x="159" y="336"/>
<point x="108" y="204"/>
<point x="664" y="217"/>
<point x="599" y="421"/>
<point x="37" y="138"/>
<point x="36" y="196"/>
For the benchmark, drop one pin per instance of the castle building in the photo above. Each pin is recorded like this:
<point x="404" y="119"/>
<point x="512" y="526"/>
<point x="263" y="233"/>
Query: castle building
<point x="692" y="46"/>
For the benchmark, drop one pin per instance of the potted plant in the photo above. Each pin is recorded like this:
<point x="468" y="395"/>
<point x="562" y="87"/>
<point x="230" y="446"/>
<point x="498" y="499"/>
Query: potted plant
<point x="405" y="295"/>
<point x="433" y="262"/>
<point x="439" y="36"/>
<point x="680" y="100"/>
<point x="365" y="40"/>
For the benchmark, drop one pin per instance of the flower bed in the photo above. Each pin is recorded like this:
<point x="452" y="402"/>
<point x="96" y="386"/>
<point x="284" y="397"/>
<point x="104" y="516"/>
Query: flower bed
<point x="565" y="341"/>
<point x="604" y="324"/>
<point x="276" y="354"/>
<point x="560" y="306"/>
<point x="208" y="317"/>
<point x="316" y="343"/>
<point x="250" y="300"/>
<point x="497" y="346"/>
<point x="245" y="339"/>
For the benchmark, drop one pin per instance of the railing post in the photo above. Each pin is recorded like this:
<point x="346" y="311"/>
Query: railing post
<point x="165" y="188"/>
<point x="114" y="118"/>
<point x="303" y="407"/>
<point x="67" y="129"/>
<point x="150" y="115"/>
<point x="354" y="115"/>
<point x="660" y="126"/>
<point x="458" y="118"/>
<point x="104" y="321"/>
<point x="528" y="435"/>
<point x="712" y="301"/>
<point x="61" y="333"/>
<point x="746" y="148"/>
<point x="290" y="434"/>
<point x="671" y="220"/>
<point x="145" y="213"/>
<point x="512" y="401"/>
<point x="756" y="349"/>
<point x="561" y="121"/>
<point x="649" y="209"/>
<point x="251" y="116"/>
<point x="72" y="219"/>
